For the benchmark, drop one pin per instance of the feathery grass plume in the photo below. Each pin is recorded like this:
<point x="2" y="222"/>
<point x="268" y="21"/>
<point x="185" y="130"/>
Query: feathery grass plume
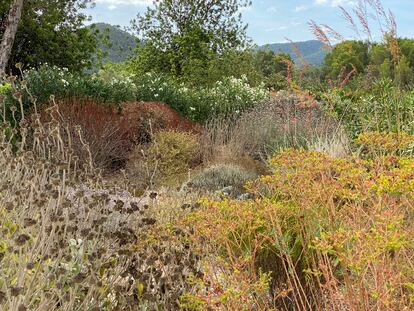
<point x="320" y="33"/>
<point x="350" y="21"/>
<point x="361" y="12"/>
<point x="358" y="19"/>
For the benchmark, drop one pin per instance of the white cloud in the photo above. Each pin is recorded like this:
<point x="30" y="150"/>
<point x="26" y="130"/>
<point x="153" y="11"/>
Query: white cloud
<point x="333" y="2"/>
<point x="301" y="8"/>
<point x="112" y="7"/>
<point x="124" y="2"/>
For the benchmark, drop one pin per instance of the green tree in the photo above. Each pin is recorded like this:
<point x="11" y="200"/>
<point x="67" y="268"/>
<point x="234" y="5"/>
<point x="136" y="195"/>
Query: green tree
<point x="52" y="31"/>
<point x="404" y="74"/>
<point x="181" y="34"/>
<point x="346" y="56"/>
<point x="407" y="49"/>
<point x="273" y="67"/>
<point x="269" y="62"/>
<point x="385" y="69"/>
<point x="380" y="63"/>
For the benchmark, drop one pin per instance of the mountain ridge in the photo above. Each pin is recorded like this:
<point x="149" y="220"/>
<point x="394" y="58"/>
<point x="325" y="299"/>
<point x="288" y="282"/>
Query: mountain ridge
<point x="313" y="51"/>
<point x="123" y="45"/>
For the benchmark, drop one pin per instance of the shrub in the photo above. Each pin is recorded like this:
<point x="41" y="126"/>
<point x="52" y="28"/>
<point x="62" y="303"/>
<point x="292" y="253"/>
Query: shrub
<point x="285" y="121"/>
<point x="47" y="81"/>
<point x="223" y="98"/>
<point x="377" y="143"/>
<point x="384" y="108"/>
<point x="108" y="136"/>
<point x="169" y="155"/>
<point x="333" y="233"/>
<point x="219" y="176"/>
<point x="151" y="117"/>
<point x="229" y="96"/>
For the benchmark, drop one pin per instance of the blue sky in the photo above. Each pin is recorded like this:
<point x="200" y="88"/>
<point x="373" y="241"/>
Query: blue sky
<point x="270" y="20"/>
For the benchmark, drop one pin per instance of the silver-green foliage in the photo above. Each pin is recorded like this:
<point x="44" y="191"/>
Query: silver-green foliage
<point x="219" y="176"/>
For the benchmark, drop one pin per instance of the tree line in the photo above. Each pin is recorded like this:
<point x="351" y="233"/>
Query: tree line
<point x="196" y="42"/>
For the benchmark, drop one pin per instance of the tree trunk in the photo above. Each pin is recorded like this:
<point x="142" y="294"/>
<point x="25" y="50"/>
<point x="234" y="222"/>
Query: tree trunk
<point x="9" y="34"/>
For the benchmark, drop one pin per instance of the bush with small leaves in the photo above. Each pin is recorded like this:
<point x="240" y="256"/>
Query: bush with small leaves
<point x="168" y="156"/>
<point x="379" y="143"/>
<point x="334" y="233"/>
<point x="219" y="176"/>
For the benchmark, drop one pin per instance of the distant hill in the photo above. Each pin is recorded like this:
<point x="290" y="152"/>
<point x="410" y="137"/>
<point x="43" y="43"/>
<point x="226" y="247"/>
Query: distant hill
<point x="122" y="46"/>
<point x="313" y="50"/>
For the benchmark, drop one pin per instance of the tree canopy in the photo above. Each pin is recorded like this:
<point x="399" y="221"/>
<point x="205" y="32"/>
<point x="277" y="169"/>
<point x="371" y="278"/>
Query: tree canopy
<point x="52" y="31"/>
<point x="345" y="57"/>
<point x="181" y="34"/>
<point x="375" y="59"/>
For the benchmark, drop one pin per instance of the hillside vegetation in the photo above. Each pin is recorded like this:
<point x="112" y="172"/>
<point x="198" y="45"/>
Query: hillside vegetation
<point x="203" y="175"/>
<point x="121" y="45"/>
<point x="118" y="45"/>
<point x="313" y="51"/>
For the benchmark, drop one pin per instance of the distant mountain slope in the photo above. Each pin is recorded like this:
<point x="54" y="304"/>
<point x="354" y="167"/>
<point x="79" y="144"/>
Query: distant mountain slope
<point x="313" y="50"/>
<point x="123" y="43"/>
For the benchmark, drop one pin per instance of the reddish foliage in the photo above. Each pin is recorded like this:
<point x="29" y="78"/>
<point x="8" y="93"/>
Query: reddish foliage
<point x="110" y="134"/>
<point x="163" y="115"/>
<point x="145" y="117"/>
<point x="107" y="133"/>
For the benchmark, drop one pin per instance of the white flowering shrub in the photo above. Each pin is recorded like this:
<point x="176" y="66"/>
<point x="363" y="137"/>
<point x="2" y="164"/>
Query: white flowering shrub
<point x="229" y="96"/>
<point x="51" y="80"/>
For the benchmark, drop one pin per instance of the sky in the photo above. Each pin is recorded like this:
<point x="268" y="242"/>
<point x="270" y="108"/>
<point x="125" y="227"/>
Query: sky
<point x="271" y="21"/>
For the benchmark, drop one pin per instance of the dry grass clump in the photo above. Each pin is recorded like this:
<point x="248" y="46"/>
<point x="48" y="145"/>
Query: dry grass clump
<point x="168" y="157"/>
<point x="108" y="136"/>
<point x="285" y="121"/>
<point x="334" y="233"/>
<point x="219" y="176"/>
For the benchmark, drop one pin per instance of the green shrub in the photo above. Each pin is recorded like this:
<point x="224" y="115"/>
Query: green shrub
<point x="225" y="97"/>
<point x="157" y="87"/>
<point x="170" y="155"/>
<point x="219" y="176"/>
<point x="174" y="151"/>
<point x="384" y="108"/>
<point x="47" y="81"/>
